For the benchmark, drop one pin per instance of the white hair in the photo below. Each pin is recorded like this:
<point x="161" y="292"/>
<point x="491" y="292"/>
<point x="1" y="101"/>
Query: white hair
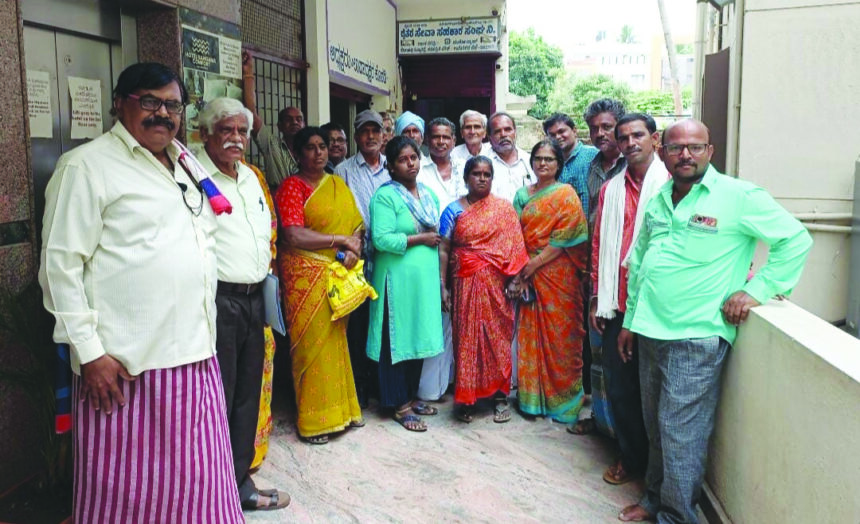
<point x="221" y="108"/>
<point x="471" y="112"/>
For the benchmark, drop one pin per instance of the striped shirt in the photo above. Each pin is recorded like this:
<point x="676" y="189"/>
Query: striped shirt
<point x="363" y="181"/>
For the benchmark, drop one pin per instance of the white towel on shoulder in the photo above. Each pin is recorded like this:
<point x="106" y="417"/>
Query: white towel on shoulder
<point x="612" y="229"/>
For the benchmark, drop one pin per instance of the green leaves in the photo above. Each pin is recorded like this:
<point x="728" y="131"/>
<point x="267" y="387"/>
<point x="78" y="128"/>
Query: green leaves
<point x="534" y="66"/>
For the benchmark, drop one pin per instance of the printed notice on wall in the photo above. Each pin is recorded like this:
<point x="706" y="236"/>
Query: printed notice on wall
<point x="86" y="98"/>
<point x="39" y="104"/>
<point x="211" y="53"/>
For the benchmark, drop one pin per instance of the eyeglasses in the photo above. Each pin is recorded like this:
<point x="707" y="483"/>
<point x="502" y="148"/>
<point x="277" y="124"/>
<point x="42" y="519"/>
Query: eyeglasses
<point x="676" y="149"/>
<point x="151" y="103"/>
<point x="544" y="159"/>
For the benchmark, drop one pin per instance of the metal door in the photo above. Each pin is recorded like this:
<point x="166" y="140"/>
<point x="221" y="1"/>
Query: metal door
<point x="62" y="56"/>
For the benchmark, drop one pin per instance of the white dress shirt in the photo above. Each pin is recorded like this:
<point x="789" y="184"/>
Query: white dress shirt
<point x="446" y="191"/>
<point x="243" y="237"/>
<point x="462" y="153"/>
<point x="127" y="268"/>
<point x="508" y="179"/>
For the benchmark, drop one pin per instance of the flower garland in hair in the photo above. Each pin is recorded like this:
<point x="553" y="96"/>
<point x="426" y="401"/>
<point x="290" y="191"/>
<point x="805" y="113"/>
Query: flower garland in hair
<point x="200" y="178"/>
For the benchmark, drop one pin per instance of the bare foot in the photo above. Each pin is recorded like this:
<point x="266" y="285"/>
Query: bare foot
<point x="634" y="513"/>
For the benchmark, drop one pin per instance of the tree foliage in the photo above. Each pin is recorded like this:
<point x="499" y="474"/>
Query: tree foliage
<point x="534" y="66"/>
<point x="573" y="94"/>
<point x="658" y="103"/>
<point x="627" y="36"/>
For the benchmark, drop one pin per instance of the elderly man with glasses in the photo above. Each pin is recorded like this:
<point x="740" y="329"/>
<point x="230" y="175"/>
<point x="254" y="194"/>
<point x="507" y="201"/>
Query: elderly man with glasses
<point x="128" y="268"/>
<point x="687" y="292"/>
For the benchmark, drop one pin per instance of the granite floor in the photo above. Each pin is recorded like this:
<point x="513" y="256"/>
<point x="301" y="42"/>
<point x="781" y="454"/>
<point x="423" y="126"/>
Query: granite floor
<point x="522" y="471"/>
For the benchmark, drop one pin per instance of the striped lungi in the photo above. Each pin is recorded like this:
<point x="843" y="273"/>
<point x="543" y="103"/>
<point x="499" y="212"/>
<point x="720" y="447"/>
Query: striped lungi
<point x="164" y="457"/>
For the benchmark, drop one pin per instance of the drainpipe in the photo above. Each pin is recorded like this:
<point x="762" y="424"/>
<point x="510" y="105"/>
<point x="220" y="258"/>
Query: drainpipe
<point x="699" y="60"/>
<point x="735" y="69"/>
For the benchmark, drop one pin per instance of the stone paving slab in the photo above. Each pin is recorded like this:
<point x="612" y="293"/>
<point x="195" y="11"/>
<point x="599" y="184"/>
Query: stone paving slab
<point x="526" y="470"/>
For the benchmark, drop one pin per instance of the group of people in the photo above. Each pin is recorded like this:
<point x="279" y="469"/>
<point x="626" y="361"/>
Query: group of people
<point x="495" y="268"/>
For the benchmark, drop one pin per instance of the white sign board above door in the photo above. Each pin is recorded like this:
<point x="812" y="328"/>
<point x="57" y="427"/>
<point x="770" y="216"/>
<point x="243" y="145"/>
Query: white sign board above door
<point x="443" y="37"/>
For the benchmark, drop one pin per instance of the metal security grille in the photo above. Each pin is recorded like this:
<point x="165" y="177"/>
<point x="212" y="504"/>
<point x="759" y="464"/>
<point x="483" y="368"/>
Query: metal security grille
<point x="278" y="86"/>
<point x="274" y="26"/>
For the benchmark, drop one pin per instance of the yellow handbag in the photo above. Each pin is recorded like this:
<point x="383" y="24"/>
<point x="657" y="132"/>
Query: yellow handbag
<point x="347" y="288"/>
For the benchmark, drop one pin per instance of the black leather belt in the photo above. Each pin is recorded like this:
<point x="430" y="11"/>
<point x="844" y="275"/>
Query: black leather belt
<point x="238" y="289"/>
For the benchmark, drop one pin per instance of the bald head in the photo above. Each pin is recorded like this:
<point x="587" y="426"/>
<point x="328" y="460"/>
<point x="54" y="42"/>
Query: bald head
<point x="686" y="150"/>
<point x="687" y="123"/>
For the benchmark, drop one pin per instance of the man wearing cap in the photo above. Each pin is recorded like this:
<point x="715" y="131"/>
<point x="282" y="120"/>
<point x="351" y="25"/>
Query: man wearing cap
<point x="473" y="129"/>
<point x="363" y="173"/>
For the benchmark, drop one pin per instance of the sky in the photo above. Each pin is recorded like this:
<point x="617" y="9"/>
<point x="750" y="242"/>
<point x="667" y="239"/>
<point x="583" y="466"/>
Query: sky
<point x="566" y="23"/>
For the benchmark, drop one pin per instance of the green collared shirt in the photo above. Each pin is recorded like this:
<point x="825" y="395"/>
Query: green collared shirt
<point x="689" y="259"/>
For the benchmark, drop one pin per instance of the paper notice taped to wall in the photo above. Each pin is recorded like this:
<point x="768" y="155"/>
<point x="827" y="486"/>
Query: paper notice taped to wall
<point x="39" y="104"/>
<point x="86" y="96"/>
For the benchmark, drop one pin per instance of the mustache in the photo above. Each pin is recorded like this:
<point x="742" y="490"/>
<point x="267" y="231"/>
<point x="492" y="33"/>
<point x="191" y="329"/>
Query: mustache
<point x="156" y="120"/>
<point x="239" y="145"/>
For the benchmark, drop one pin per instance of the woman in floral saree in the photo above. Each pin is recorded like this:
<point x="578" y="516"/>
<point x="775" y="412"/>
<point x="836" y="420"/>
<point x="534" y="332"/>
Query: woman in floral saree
<point x="320" y="224"/>
<point x="549" y="337"/>
<point x="482" y="250"/>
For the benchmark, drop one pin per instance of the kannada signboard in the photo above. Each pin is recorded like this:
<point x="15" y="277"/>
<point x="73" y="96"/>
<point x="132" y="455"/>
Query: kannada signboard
<point x="362" y="60"/>
<point x="442" y="37"/>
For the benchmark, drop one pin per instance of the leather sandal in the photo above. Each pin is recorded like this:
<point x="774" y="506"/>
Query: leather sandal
<point x="257" y="502"/>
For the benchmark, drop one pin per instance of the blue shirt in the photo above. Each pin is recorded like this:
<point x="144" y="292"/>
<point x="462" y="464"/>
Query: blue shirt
<point x="362" y="181"/>
<point x="575" y="171"/>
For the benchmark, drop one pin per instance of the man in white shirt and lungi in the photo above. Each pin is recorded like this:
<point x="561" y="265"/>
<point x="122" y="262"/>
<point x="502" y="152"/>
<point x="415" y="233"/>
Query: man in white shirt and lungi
<point x="128" y="268"/>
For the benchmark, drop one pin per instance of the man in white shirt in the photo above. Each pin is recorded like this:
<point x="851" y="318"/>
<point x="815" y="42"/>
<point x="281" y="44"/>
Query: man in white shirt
<point x="242" y="242"/>
<point x="128" y="268"/>
<point x="473" y="129"/>
<point x="444" y="176"/>
<point x="511" y="165"/>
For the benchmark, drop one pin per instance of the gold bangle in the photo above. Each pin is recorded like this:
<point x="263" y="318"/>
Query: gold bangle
<point x="247" y="76"/>
<point x="332" y="241"/>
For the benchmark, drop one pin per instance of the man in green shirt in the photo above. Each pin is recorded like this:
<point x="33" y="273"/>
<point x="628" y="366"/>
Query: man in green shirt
<point x="687" y="293"/>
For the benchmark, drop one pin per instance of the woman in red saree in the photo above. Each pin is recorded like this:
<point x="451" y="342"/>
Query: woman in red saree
<point x="482" y="236"/>
<point x="549" y="337"/>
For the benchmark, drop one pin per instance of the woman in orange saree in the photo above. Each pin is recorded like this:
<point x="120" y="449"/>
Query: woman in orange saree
<point x="482" y="251"/>
<point x="550" y="332"/>
<point x="320" y="224"/>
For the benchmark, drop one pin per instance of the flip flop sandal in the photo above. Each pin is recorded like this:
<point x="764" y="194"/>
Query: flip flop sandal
<point x="502" y="412"/>
<point x="424" y="409"/>
<point x="278" y="500"/>
<point x="583" y="427"/>
<point x="466" y="414"/>
<point x="611" y="475"/>
<point x="418" y="424"/>
<point x="357" y="423"/>
<point x="318" y="440"/>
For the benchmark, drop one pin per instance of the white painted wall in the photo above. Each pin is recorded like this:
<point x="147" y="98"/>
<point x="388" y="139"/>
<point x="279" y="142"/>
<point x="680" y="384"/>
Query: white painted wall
<point x="786" y="443"/>
<point x="367" y="28"/>
<point x="799" y="134"/>
<point x="446" y="9"/>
